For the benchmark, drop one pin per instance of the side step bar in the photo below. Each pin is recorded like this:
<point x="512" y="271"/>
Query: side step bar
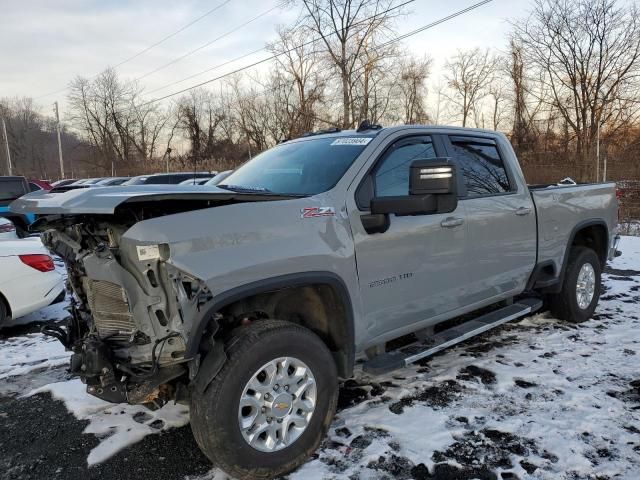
<point x="409" y="354"/>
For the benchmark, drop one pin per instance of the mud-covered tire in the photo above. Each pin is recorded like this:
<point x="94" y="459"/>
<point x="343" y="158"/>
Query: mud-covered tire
<point x="215" y="412"/>
<point x="564" y="305"/>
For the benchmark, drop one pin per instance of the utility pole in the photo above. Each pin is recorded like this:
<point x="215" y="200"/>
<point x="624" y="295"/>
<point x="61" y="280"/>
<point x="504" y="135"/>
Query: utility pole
<point x="6" y="144"/>
<point x="598" y="152"/>
<point x="55" y="105"/>
<point x="168" y="157"/>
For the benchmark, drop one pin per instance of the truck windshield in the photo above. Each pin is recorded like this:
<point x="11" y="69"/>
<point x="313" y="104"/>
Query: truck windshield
<point x="308" y="167"/>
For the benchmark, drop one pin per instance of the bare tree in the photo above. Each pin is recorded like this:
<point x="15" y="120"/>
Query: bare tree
<point x="299" y="62"/>
<point x="468" y="75"/>
<point x="413" y="75"/>
<point x="345" y="28"/>
<point x="588" y="56"/>
<point x="519" y="91"/>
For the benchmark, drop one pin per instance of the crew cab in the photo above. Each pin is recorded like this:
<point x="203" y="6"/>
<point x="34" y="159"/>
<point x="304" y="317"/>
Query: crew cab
<point x="250" y="299"/>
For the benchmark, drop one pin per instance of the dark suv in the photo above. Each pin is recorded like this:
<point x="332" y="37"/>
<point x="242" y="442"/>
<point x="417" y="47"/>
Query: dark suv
<point x="12" y="187"/>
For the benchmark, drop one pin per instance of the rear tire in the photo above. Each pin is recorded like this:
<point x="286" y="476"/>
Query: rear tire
<point x="216" y="414"/>
<point x="580" y="292"/>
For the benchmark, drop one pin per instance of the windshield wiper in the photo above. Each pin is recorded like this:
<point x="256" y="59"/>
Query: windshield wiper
<point x="240" y="189"/>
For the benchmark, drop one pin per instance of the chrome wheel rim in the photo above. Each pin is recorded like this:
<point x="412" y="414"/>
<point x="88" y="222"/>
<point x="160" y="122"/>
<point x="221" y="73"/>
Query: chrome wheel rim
<point x="277" y="404"/>
<point x="586" y="286"/>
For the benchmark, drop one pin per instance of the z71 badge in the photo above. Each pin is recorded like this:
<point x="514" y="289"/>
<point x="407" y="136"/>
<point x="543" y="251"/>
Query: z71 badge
<point x="312" y="212"/>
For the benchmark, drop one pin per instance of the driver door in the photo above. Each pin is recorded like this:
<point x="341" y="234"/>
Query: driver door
<point x="413" y="271"/>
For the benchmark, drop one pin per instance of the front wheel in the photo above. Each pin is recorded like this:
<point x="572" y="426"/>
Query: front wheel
<point x="271" y="404"/>
<point x="580" y="292"/>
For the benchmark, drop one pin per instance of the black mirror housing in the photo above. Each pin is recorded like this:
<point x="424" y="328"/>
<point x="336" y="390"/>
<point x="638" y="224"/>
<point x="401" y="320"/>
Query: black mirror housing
<point x="433" y="188"/>
<point x="414" y="204"/>
<point x="433" y="176"/>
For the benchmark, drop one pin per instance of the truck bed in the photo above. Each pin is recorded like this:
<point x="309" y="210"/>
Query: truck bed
<point x="560" y="209"/>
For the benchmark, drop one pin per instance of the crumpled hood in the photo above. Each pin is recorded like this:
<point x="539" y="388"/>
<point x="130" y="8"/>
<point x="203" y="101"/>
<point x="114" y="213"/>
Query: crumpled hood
<point x="104" y="200"/>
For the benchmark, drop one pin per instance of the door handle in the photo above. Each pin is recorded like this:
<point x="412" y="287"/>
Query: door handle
<point x="451" y="222"/>
<point x="523" y="211"/>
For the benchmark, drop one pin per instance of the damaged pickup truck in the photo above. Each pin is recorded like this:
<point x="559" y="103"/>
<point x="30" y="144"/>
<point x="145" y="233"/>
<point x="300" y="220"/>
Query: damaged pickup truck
<point x="251" y="299"/>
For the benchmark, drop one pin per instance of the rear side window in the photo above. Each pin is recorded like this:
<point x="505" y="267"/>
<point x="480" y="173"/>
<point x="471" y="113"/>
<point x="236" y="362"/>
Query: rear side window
<point x="481" y="166"/>
<point x="392" y="174"/>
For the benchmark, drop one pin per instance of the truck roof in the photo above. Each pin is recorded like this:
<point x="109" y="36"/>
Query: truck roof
<point x="376" y="131"/>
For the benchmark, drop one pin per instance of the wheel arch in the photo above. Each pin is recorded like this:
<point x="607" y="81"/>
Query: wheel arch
<point x="335" y="327"/>
<point x="592" y="233"/>
<point x="6" y="304"/>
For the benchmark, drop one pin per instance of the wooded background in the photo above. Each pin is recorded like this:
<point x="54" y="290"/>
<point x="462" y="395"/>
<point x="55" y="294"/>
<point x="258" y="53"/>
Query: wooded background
<point x="569" y="72"/>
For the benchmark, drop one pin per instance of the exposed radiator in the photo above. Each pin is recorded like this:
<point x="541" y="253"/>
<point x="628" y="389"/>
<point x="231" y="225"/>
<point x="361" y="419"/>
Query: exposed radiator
<point x="110" y="309"/>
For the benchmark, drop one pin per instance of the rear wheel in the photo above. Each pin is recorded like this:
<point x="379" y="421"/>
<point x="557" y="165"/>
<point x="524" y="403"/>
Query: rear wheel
<point x="271" y="404"/>
<point x="580" y="292"/>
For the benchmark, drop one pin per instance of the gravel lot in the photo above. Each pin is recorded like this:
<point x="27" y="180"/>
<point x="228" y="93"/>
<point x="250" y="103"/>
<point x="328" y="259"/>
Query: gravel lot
<point x="537" y="399"/>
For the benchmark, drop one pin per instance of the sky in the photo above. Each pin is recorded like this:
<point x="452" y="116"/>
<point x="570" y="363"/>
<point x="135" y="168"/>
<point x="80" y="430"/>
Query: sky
<point x="44" y="44"/>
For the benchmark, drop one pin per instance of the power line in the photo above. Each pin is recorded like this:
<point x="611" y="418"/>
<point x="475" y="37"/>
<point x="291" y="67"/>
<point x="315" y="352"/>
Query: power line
<point x="397" y="39"/>
<point x="215" y="67"/>
<point x="207" y="44"/>
<point x="162" y="40"/>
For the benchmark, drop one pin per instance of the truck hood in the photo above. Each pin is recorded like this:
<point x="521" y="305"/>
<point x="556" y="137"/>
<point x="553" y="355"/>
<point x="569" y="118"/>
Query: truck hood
<point x="104" y="200"/>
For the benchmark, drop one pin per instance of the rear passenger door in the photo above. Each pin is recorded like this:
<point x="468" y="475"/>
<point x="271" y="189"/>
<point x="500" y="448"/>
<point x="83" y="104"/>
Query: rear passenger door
<point x="501" y="248"/>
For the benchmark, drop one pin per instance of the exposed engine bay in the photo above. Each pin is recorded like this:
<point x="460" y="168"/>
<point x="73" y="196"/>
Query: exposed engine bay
<point x="131" y="312"/>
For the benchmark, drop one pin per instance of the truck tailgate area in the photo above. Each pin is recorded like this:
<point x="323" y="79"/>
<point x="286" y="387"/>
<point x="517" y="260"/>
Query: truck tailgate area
<point x="562" y="210"/>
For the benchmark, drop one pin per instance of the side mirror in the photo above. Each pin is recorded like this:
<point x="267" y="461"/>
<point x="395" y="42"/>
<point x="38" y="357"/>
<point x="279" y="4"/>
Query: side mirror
<point x="436" y="176"/>
<point x="432" y="189"/>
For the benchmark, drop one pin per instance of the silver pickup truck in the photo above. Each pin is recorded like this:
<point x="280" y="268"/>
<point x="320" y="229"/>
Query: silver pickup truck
<point x="251" y="299"/>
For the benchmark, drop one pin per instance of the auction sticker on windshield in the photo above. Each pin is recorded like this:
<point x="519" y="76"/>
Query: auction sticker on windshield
<point x="351" y="141"/>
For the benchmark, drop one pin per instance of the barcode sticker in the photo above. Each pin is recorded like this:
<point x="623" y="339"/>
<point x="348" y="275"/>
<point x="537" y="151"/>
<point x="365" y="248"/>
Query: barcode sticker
<point x="148" y="252"/>
<point x="351" y="141"/>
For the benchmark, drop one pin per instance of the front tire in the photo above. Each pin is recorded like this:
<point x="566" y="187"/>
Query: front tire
<point x="580" y="292"/>
<point x="270" y="406"/>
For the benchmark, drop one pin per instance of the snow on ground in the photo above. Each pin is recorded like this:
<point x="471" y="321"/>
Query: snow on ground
<point x="30" y="352"/>
<point x="536" y="399"/>
<point x="119" y="425"/>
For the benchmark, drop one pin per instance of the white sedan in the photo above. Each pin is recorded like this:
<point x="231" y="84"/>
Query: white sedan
<point x="7" y="230"/>
<point x="28" y="279"/>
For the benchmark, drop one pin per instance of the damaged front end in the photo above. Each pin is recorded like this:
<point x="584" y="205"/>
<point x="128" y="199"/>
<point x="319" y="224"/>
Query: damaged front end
<point x="131" y="312"/>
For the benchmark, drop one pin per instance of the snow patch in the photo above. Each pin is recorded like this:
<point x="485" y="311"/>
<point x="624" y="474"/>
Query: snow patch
<point x="28" y="353"/>
<point x="116" y="425"/>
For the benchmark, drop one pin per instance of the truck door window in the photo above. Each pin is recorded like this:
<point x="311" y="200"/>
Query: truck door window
<point x="480" y="163"/>
<point x="392" y="173"/>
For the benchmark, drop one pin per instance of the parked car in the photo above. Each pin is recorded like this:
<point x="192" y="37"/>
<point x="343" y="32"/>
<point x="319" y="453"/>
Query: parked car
<point x="111" y="181"/>
<point x="63" y="182"/>
<point x="165" y="178"/>
<point x="7" y="229"/>
<point x="246" y="299"/>
<point x="12" y="187"/>
<point x="28" y="279"/>
<point x="35" y="185"/>
<point x="195" y="181"/>
<point x="78" y="184"/>
<point x="219" y="177"/>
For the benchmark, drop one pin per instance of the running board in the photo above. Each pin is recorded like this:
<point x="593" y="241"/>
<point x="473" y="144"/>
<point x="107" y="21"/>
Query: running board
<point x="409" y="354"/>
